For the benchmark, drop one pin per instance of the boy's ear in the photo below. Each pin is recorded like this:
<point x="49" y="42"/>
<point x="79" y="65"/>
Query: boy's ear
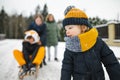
<point x="84" y="28"/>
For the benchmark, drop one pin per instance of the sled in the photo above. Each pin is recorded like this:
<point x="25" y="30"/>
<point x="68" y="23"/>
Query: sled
<point x="30" y="75"/>
<point x="38" y="60"/>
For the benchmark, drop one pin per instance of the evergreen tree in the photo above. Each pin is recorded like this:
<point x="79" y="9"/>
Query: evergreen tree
<point x="45" y="11"/>
<point x="29" y="19"/>
<point x="37" y="10"/>
<point x="13" y="30"/>
<point x="97" y="21"/>
<point x="3" y="21"/>
<point x="21" y="26"/>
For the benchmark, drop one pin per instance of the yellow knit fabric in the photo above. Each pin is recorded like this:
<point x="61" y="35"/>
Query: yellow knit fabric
<point x="18" y="55"/>
<point x="76" y="13"/>
<point x="40" y="55"/>
<point x="88" y="39"/>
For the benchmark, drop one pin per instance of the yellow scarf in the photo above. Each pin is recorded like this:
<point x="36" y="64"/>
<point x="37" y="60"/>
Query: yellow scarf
<point x="88" y="39"/>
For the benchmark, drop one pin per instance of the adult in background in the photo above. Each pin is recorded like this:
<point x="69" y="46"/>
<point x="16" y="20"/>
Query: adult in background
<point x="40" y="27"/>
<point x="52" y="35"/>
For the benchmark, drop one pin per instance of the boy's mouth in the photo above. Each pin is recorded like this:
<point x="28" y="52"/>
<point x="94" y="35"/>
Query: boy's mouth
<point x="69" y="35"/>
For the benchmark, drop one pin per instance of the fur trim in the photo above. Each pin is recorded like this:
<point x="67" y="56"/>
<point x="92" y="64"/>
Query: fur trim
<point x="34" y="34"/>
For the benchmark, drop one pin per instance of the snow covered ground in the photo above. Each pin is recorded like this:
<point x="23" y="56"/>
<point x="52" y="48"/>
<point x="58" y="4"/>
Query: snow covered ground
<point x="9" y="67"/>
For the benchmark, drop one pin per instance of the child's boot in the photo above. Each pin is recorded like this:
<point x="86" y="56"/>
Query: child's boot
<point x="24" y="70"/>
<point x="32" y="68"/>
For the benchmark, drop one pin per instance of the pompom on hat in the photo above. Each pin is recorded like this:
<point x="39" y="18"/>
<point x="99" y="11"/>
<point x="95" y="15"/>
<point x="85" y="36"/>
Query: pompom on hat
<point x="75" y="16"/>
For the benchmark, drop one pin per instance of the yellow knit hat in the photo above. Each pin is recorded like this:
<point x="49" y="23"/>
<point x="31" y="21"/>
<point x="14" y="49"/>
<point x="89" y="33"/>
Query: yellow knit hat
<point x="75" y="16"/>
<point x="76" y="13"/>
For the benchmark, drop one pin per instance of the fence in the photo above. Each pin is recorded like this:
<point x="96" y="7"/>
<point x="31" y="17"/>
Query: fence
<point x="110" y="33"/>
<point x="2" y="36"/>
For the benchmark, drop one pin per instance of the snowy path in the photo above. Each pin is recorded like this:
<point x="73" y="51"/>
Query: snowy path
<point x="9" y="69"/>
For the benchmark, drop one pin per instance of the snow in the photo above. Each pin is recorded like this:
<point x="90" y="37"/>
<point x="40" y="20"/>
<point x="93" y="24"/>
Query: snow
<point x="9" y="67"/>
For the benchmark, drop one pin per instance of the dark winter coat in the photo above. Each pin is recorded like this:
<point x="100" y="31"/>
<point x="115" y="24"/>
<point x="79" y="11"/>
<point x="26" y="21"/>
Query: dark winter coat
<point x="41" y="30"/>
<point x="29" y="49"/>
<point x="86" y="65"/>
<point x="52" y="33"/>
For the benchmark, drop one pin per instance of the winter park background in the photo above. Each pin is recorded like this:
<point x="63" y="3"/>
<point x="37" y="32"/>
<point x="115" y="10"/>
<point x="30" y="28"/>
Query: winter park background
<point x="9" y="67"/>
<point x="16" y="15"/>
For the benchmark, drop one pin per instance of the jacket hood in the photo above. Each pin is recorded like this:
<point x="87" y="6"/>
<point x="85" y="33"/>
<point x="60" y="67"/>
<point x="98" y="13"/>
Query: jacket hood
<point x="32" y="33"/>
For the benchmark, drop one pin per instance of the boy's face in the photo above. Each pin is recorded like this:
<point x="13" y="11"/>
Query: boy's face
<point x="31" y="40"/>
<point x="72" y="30"/>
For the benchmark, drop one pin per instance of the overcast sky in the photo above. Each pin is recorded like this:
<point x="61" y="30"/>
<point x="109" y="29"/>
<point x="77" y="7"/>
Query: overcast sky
<point x="105" y="9"/>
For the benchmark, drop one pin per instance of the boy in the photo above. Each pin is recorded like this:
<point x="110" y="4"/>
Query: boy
<point x="85" y="50"/>
<point x="32" y="53"/>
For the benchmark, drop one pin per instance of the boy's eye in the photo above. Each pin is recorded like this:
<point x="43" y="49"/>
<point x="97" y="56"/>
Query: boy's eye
<point x="67" y="28"/>
<point x="70" y="27"/>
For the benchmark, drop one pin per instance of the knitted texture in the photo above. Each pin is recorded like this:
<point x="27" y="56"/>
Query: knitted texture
<point x="76" y="17"/>
<point x="76" y="13"/>
<point x="73" y="44"/>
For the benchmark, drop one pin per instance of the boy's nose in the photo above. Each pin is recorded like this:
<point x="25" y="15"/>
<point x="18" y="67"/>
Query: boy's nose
<point x="67" y="33"/>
